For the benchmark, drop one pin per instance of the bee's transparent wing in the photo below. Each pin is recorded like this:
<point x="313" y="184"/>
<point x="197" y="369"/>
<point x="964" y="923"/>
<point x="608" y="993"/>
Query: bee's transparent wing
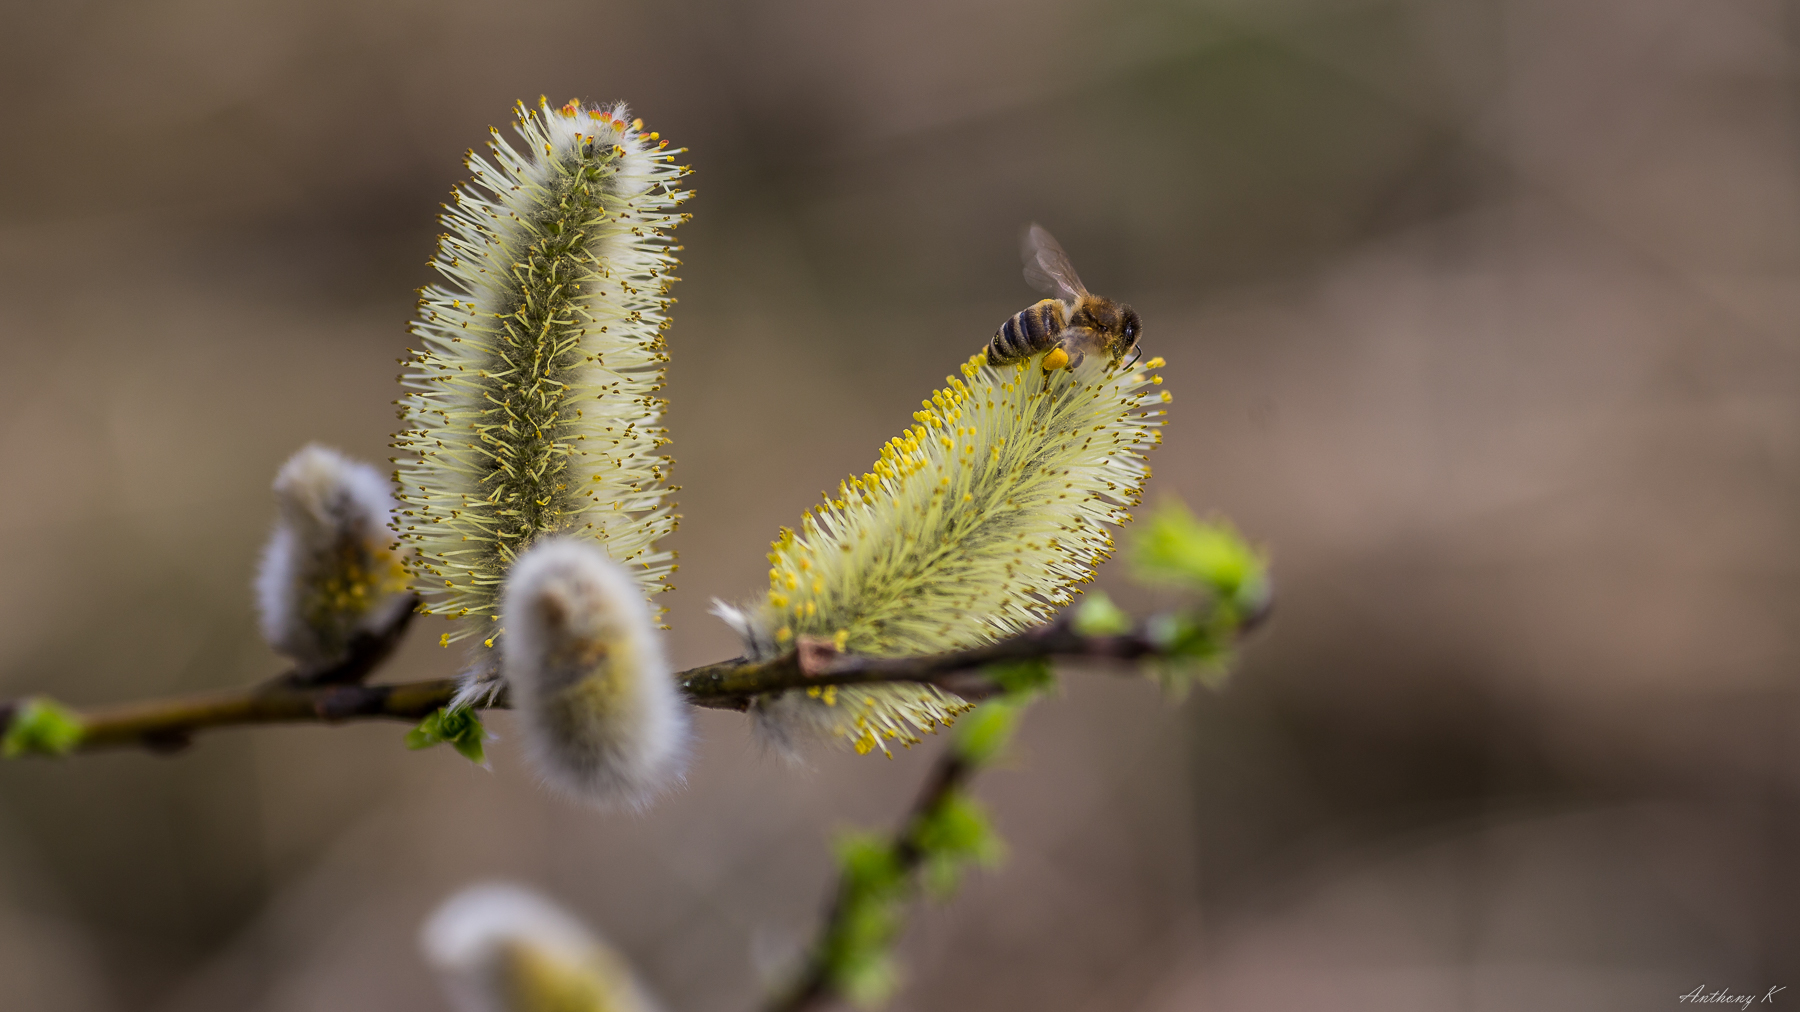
<point x="1047" y="267"/>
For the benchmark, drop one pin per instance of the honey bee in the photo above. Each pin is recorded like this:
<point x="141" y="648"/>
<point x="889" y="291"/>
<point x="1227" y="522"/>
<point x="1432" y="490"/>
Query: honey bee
<point x="1073" y="325"/>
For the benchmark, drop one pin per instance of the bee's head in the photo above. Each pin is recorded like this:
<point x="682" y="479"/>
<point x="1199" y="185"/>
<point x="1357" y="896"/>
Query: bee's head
<point x="1133" y="329"/>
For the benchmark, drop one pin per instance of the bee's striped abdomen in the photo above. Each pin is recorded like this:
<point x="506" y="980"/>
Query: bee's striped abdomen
<point x="1028" y="332"/>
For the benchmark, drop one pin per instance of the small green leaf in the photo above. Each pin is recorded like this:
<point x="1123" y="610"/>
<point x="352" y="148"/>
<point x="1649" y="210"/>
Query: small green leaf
<point x="1194" y="648"/>
<point x="1186" y="637"/>
<point x="1023" y="678"/>
<point x="41" y="726"/>
<point x="856" y="955"/>
<point x="1099" y="616"/>
<point x="950" y="837"/>
<point x="1174" y="547"/>
<point x="458" y="727"/>
<point x="868" y="981"/>
<point x="869" y="863"/>
<point x="985" y="732"/>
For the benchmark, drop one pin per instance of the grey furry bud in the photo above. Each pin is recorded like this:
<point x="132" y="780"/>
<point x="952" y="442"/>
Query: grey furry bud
<point x="601" y="715"/>
<point x="328" y="571"/>
<point x="501" y="948"/>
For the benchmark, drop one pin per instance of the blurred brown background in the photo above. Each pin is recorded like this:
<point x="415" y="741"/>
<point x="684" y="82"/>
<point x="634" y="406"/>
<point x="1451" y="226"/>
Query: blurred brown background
<point x="1479" y="313"/>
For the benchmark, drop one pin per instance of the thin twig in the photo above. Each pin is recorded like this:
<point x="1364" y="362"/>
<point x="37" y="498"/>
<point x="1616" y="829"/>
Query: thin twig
<point x="337" y="694"/>
<point x="168" y="725"/>
<point x="814" y="989"/>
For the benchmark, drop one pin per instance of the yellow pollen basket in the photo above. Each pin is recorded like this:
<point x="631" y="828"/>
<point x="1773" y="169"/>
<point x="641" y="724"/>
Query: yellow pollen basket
<point x="1057" y="359"/>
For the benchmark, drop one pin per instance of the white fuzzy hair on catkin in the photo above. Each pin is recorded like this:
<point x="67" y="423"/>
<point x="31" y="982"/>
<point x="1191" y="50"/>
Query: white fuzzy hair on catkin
<point x="601" y="716"/>
<point x="328" y="571"/>
<point x="504" y="948"/>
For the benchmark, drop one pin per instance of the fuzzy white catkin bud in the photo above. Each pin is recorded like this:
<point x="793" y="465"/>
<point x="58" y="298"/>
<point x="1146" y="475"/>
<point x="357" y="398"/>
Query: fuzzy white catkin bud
<point x="601" y="715"/>
<point x="328" y="571"/>
<point x="502" y="948"/>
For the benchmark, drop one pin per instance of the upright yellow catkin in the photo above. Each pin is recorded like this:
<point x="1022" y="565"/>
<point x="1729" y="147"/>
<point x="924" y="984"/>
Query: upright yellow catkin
<point x="530" y="407"/>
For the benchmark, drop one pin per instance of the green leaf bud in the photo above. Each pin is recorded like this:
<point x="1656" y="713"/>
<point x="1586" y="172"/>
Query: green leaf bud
<point x="456" y="726"/>
<point x="41" y="726"/>
<point x="1175" y="548"/>
<point x="1097" y="615"/>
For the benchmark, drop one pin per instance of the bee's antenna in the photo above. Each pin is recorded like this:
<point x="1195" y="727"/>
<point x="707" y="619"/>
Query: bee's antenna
<point x="1136" y="353"/>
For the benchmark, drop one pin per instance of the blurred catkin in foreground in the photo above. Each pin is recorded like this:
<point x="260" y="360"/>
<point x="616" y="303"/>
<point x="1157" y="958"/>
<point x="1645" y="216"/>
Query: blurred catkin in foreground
<point x="600" y="713"/>
<point x="502" y="948"/>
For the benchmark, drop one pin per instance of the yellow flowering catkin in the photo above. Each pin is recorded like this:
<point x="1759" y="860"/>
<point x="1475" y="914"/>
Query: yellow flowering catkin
<point x="976" y="523"/>
<point x="531" y="407"/>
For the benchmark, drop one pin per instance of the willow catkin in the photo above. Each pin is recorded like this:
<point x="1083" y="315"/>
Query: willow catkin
<point x="975" y="523"/>
<point x="601" y="716"/>
<point x="530" y="408"/>
<point x="329" y="570"/>
<point x="503" y="948"/>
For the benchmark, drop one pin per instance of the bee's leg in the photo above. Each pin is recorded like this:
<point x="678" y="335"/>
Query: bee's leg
<point x="1056" y="359"/>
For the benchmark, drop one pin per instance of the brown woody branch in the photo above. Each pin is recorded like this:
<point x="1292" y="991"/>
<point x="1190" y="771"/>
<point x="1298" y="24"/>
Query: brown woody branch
<point x="339" y="693"/>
